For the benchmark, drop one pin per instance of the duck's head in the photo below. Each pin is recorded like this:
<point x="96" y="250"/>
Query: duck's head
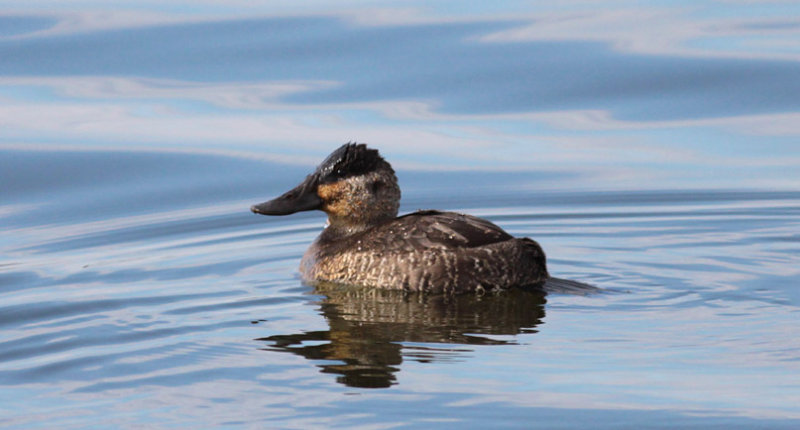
<point x="355" y="186"/>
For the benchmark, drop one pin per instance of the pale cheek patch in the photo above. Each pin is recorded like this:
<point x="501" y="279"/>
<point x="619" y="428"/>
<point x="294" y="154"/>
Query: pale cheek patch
<point x="352" y="199"/>
<point x="334" y="197"/>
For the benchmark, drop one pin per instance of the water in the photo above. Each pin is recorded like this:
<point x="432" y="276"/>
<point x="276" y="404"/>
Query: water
<point x="652" y="152"/>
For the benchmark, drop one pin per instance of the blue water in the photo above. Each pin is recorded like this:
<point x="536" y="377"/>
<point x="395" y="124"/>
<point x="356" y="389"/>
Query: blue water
<point x="652" y="151"/>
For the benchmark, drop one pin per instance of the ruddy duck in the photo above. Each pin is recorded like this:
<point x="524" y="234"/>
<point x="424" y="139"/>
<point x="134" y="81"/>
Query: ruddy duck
<point x="365" y="243"/>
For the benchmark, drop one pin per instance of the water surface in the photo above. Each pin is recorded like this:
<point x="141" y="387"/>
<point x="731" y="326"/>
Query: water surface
<point x="652" y="152"/>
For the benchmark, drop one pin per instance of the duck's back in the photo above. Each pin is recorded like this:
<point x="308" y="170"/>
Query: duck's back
<point x="428" y="251"/>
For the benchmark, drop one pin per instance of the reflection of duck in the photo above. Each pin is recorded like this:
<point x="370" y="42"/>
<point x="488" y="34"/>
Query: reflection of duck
<point x="365" y="243"/>
<point x="368" y="326"/>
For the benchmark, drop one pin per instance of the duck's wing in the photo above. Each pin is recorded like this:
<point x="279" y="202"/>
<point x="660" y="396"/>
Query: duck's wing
<point x="434" y="229"/>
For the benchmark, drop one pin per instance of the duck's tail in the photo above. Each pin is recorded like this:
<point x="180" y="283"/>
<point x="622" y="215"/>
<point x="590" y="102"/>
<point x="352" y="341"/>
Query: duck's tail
<point x="568" y="286"/>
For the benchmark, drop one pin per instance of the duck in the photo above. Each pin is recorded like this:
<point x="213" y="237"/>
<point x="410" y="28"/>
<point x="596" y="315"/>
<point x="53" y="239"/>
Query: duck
<point x="366" y="244"/>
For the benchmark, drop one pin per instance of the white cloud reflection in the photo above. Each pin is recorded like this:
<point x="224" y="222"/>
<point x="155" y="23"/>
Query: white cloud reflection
<point x="676" y="30"/>
<point x="253" y="118"/>
<point x="653" y="31"/>
<point x="249" y="119"/>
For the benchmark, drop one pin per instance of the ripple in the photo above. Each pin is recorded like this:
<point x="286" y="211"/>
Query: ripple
<point x="39" y="311"/>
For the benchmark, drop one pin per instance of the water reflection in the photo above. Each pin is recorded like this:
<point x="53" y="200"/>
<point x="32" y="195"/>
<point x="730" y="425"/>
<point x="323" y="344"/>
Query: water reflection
<point x="369" y="329"/>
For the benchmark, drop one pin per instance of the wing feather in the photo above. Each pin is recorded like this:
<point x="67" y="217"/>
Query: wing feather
<point x="433" y="229"/>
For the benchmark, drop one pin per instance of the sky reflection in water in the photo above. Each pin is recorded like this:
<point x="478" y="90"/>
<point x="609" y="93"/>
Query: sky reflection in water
<point x="539" y="92"/>
<point x="652" y="151"/>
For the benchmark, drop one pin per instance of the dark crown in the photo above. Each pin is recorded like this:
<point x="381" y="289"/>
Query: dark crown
<point x="350" y="159"/>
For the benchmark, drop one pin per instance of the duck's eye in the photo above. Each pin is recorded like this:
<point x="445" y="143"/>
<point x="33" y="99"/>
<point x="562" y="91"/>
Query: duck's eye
<point x="377" y="185"/>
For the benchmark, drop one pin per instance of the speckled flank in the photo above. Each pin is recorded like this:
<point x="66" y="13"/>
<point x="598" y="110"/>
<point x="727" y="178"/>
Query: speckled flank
<point x="428" y="251"/>
<point x="515" y="262"/>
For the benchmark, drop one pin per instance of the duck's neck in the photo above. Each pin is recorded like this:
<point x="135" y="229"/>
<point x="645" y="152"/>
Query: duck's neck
<point x="341" y="227"/>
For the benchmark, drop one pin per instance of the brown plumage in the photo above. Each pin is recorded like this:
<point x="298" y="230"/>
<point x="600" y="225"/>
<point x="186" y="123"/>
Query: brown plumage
<point x="366" y="244"/>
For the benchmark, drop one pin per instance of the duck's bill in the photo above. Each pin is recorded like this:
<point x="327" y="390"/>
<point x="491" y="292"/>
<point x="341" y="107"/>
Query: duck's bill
<point x="301" y="198"/>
